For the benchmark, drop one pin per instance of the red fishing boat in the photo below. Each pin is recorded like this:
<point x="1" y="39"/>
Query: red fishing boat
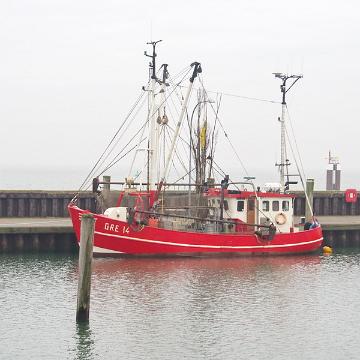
<point x="208" y="218"/>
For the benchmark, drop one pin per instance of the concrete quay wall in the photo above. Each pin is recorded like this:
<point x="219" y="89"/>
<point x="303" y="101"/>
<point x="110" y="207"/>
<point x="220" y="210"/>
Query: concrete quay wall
<point x="54" y="203"/>
<point x="41" y="203"/>
<point x="327" y="203"/>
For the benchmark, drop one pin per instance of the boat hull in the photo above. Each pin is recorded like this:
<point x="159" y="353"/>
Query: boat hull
<point x="113" y="237"/>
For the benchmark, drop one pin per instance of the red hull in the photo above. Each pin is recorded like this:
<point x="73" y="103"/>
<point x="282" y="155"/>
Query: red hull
<point x="117" y="237"/>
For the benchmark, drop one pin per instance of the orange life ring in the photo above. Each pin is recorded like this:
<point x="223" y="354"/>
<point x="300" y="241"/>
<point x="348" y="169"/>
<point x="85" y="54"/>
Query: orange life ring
<point x="280" y="219"/>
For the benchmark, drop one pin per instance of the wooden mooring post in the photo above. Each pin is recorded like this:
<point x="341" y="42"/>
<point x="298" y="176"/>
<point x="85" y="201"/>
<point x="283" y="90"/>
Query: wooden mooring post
<point x="85" y="264"/>
<point x="310" y="195"/>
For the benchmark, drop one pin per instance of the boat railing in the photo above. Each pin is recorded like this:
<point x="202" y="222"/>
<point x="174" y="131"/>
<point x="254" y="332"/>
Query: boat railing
<point x="199" y="224"/>
<point x="124" y="185"/>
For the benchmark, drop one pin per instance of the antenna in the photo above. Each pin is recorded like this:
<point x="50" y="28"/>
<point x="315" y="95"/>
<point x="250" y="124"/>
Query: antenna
<point x="152" y="64"/>
<point x="285" y="78"/>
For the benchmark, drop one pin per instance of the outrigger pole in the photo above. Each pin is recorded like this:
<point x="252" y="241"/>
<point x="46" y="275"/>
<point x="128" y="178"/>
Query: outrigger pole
<point x="284" y="162"/>
<point x="197" y="70"/>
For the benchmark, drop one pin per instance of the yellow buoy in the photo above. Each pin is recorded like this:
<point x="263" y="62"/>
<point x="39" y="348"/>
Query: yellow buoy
<point x="327" y="250"/>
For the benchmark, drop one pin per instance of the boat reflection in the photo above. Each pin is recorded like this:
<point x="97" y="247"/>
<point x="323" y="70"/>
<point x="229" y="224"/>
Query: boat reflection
<point x="200" y="291"/>
<point x="236" y="266"/>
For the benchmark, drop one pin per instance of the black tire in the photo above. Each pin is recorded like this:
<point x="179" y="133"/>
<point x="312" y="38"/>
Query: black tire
<point x="307" y="225"/>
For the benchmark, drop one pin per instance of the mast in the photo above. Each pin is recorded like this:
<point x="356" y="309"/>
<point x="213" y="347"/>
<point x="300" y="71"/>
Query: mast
<point x="284" y="162"/>
<point x="153" y="125"/>
<point x="162" y="118"/>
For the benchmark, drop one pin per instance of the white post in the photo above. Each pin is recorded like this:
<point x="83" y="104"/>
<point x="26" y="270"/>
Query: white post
<point x="283" y="149"/>
<point x="161" y="113"/>
<point x="309" y="197"/>
<point x="153" y="139"/>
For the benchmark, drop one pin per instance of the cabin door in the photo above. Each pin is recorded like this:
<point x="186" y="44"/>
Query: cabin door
<point x="251" y="211"/>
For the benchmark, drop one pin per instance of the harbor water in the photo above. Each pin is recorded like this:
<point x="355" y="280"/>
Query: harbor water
<point x="298" y="307"/>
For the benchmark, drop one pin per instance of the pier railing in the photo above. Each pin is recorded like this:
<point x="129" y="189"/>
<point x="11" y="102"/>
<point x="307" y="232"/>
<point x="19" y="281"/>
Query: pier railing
<point x="41" y="203"/>
<point x="327" y="203"/>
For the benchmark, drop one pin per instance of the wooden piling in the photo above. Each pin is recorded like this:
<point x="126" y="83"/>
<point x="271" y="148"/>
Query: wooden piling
<point x="310" y="195"/>
<point x="106" y="188"/>
<point x="85" y="260"/>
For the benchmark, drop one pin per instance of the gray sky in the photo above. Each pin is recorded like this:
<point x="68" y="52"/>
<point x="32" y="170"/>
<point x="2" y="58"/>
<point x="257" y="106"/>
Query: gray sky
<point x="70" y="70"/>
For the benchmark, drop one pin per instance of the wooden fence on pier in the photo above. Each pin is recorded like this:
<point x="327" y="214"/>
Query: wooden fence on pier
<point x="54" y="203"/>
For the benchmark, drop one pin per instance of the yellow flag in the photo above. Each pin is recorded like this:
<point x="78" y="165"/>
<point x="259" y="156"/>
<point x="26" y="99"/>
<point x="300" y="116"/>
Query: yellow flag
<point x="203" y="137"/>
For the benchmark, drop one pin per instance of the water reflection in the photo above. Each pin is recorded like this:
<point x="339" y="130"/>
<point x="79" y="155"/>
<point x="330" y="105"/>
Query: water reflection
<point x="199" y="305"/>
<point x="303" y="307"/>
<point x="135" y="268"/>
<point x="84" y="342"/>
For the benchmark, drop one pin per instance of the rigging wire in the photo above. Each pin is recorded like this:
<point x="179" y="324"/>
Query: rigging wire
<point x="111" y="141"/>
<point x="296" y="144"/>
<point x="170" y="93"/>
<point x="225" y="133"/>
<point x="213" y="144"/>
<point x="96" y="166"/>
<point x="116" y="161"/>
<point x="177" y="155"/>
<point x="187" y="174"/>
<point x="119" y="138"/>
<point x="242" y="97"/>
<point x="136" y="151"/>
<point x="301" y="175"/>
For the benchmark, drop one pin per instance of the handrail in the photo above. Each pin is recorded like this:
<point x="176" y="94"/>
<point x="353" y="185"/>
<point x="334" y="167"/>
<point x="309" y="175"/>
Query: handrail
<point x="199" y="218"/>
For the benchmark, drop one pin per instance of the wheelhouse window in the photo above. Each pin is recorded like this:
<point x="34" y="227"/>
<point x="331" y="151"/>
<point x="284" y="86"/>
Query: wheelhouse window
<point x="285" y="205"/>
<point x="240" y="205"/>
<point x="265" y="205"/>
<point x="226" y="205"/>
<point x="275" y="205"/>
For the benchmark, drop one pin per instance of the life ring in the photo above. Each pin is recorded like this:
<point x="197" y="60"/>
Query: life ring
<point x="280" y="219"/>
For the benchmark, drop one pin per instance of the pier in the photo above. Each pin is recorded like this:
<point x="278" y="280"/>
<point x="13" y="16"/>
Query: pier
<point x="57" y="235"/>
<point x="37" y="235"/>
<point x="39" y="220"/>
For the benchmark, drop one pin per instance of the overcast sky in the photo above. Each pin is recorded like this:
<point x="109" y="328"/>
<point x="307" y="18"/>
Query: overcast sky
<point x="70" y="70"/>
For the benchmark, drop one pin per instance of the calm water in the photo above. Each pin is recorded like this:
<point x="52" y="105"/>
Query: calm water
<point x="187" y="308"/>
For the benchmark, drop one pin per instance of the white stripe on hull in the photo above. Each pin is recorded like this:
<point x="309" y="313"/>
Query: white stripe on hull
<point x="248" y="247"/>
<point x="102" y="251"/>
